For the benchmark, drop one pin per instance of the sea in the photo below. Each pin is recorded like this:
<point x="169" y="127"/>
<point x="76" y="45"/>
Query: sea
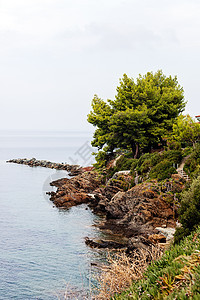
<point x="42" y="248"/>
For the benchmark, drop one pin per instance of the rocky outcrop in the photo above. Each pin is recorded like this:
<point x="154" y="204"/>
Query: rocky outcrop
<point x="33" y="162"/>
<point x="141" y="212"/>
<point x="132" y="213"/>
<point x="76" y="190"/>
<point x="102" y="244"/>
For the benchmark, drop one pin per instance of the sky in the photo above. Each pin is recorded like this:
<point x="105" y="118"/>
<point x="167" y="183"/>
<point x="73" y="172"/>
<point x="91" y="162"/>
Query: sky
<point x="56" y="54"/>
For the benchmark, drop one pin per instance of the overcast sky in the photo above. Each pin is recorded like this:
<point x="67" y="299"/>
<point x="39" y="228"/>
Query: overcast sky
<point x="56" y="54"/>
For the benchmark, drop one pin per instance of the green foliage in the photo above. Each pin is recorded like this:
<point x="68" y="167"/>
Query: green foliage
<point x="189" y="212"/>
<point x="180" y="234"/>
<point x="193" y="161"/>
<point x="134" y="164"/>
<point x="185" y="131"/>
<point x="157" y="165"/>
<point x="187" y="150"/>
<point x="156" y="158"/>
<point x="124" y="163"/>
<point x="143" y="164"/>
<point x="100" y="117"/>
<point x="102" y="157"/>
<point x="175" y="276"/>
<point x="174" y="156"/>
<point x="141" y="114"/>
<point x="162" y="170"/>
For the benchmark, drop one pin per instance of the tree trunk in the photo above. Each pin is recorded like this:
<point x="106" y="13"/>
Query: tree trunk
<point x="133" y="148"/>
<point x="136" y="151"/>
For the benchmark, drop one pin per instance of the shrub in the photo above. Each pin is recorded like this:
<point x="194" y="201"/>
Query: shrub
<point x="156" y="158"/>
<point x="145" y="167"/>
<point x="159" y="165"/>
<point x="124" y="163"/>
<point x="186" y="151"/>
<point x="174" y="145"/>
<point x="174" y="156"/>
<point x="193" y="161"/>
<point x="175" y="276"/>
<point x="162" y="170"/>
<point x="134" y="164"/>
<point x="189" y="212"/>
<point x="143" y="158"/>
<point x="102" y="159"/>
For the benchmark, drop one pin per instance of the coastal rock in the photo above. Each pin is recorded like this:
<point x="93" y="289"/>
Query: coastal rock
<point x="138" y="242"/>
<point x="141" y="205"/>
<point x="102" y="244"/>
<point x="157" y="238"/>
<point x="167" y="232"/>
<point x="76" y="190"/>
<point x="138" y="211"/>
<point x="118" y="183"/>
<point x="33" y="162"/>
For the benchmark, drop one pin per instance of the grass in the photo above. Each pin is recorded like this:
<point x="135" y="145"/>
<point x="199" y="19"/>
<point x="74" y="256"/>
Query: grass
<point x="121" y="271"/>
<point x="175" y="276"/>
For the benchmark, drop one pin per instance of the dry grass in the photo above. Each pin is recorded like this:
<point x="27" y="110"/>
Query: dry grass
<point x="119" y="273"/>
<point x="122" y="271"/>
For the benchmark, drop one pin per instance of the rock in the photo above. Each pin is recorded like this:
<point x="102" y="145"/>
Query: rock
<point x="157" y="238"/>
<point x="76" y="190"/>
<point x="140" y="243"/>
<point x="168" y="232"/>
<point x="102" y="244"/>
<point x="140" y="205"/>
<point x="33" y="162"/>
<point x="139" y="213"/>
<point x="117" y="174"/>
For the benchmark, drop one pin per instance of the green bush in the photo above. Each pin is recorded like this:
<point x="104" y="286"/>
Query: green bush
<point x="174" y="156"/>
<point x="144" y="164"/>
<point x="143" y="158"/>
<point x="101" y="158"/>
<point x="134" y="164"/>
<point x="145" y="167"/>
<point x="155" y="158"/>
<point x="124" y="163"/>
<point x="180" y="234"/>
<point x="189" y="212"/>
<point x="158" y="165"/>
<point x="193" y="161"/>
<point x="162" y="170"/>
<point x="128" y="154"/>
<point x="186" y="151"/>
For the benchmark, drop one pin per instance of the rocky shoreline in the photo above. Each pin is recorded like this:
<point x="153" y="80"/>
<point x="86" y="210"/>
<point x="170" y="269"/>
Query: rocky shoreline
<point x="33" y="162"/>
<point x="140" y="216"/>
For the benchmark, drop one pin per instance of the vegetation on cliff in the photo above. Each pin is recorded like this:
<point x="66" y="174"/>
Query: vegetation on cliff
<point x="189" y="212"/>
<point x="175" y="276"/>
<point x="143" y="131"/>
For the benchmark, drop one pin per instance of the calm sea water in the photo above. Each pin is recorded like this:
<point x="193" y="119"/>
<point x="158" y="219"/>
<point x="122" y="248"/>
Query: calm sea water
<point x="42" y="249"/>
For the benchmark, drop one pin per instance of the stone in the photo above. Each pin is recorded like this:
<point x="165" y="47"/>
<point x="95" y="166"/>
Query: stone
<point x="168" y="232"/>
<point x="157" y="238"/>
<point x="76" y="190"/>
